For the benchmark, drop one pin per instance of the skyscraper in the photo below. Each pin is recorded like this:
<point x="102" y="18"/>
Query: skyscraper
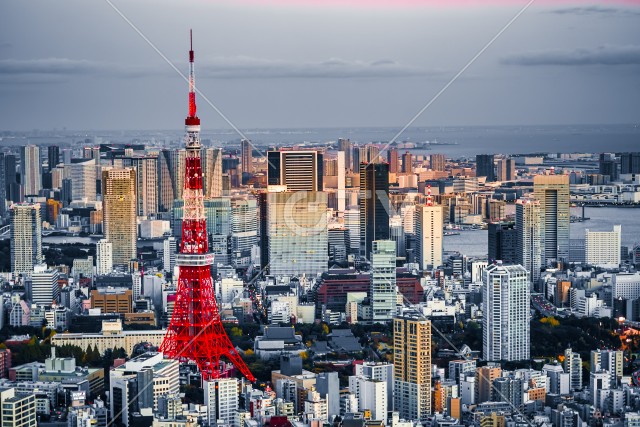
<point x="407" y="163"/>
<point x="602" y="248"/>
<point x="244" y="229"/>
<point x="176" y="167"/>
<point x="505" y="321"/>
<point x="298" y="170"/>
<point x="374" y="205"/>
<point x="529" y="249"/>
<point x="437" y="162"/>
<point x="165" y="183"/>
<point x="412" y="366"/>
<point x="392" y="158"/>
<point x="506" y="169"/>
<point x="146" y="170"/>
<point x="83" y="179"/>
<point x="26" y="237"/>
<point x="53" y="156"/>
<point x="573" y="366"/>
<point x="383" y="280"/>
<point x="503" y="242"/>
<point x="484" y="166"/>
<point x="212" y="171"/>
<point x="429" y="226"/>
<point x="297" y="230"/>
<point x="119" y="218"/>
<point x="14" y="192"/>
<point x="221" y="401"/>
<point x="345" y="146"/>
<point x="30" y="170"/>
<point x="3" y="186"/>
<point x="553" y="193"/>
<point x="247" y="156"/>
<point x="608" y="166"/>
<point x="630" y="163"/>
<point x="104" y="257"/>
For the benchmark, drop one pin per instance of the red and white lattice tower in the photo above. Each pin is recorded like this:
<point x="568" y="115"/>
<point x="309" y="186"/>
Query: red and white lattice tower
<point x="195" y="332"/>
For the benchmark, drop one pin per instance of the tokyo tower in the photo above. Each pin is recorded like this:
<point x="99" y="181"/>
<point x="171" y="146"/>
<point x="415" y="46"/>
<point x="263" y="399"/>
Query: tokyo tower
<point x="195" y="332"/>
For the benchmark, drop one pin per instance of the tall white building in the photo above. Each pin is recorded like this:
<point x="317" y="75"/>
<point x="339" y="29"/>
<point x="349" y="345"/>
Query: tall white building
<point x="83" y="179"/>
<point x="104" y="257"/>
<point x="30" y="170"/>
<point x="428" y="230"/>
<point x="529" y="250"/>
<point x="169" y="254"/>
<point x="371" y="395"/>
<point x="44" y="286"/>
<point x="352" y="223"/>
<point x="211" y="159"/>
<point x="573" y="366"/>
<point x="380" y="372"/>
<point x="221" y="401"/>
<point x="383" y="280"/>
<point x="602" y="248"/>
<point x="297" y="229"/>
<point x="146" y="183"/>
<point x="342" y="196"/>
<point x="505" y="321"/>
<point x="26" y="237"/>
<point x="611" y="361"/>
<point x="244" y="229"/>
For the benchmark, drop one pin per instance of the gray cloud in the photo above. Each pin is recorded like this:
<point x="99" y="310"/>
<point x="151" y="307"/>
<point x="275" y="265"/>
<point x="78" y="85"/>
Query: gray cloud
<point x="46" y="70"/>
<point x="247" y="67"/>
<point x="57" y="69"/>
<point x="595" y="10"/>
<point x="601" y="55"/>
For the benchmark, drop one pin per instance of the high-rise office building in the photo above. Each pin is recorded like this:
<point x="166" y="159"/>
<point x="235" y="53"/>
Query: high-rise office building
<point x="211" y="160"/>
<point x="341" y="173"/>
<point x="505" y="321"/>
<point x="502" y="242"/>
<point x="165" y="184"/>
<point x="169" y="247"/>
<point x="82" y="173"/>
<point x="30" y="170"/>
<point x="374" y="205"/>
<point x="3" y="186"/>
<point x="297" y="230"/>
<point x="573" y="366"/>
<point x="529" y="246"/>
<point x="345" y="146"/>
<point x="437" y="162"/>
<point x="630" y="163"/>
<point x="146" y="173"/>
<point x="26" y="237"/>
<point x="603" y="248"/>
<point x="485" y="167"/>
<point x="383" y="280"/>
<point x="247" y="156"/>
<point x="407" y="163"/>
<point x="53" y="157"/>
<point x="608" y="166"/>
<point x="119" y="217"/>
<point x="244" y="229"/>
<point x="506" y="169"/>
<point x="14" y="191"/>
<point x="44" y="288"/>
<point x="428" y="231"/>
<point x="412" y="366"/>
<point x="176" y="168"/>
<point x="298" y="170"/>
<point x="553" y="193"/>
<point x="221" y="401"/>
<point x="393" y="159"/>
<point x="104" y="257"/>
<point x="371" y="153"/>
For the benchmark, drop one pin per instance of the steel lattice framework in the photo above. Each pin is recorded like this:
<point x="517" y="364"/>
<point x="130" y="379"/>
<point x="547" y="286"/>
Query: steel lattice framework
<point x="195" y="332"/>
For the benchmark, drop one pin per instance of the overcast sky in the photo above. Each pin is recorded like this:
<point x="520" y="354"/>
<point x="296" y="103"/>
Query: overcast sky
<point x="311" y="63"/>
